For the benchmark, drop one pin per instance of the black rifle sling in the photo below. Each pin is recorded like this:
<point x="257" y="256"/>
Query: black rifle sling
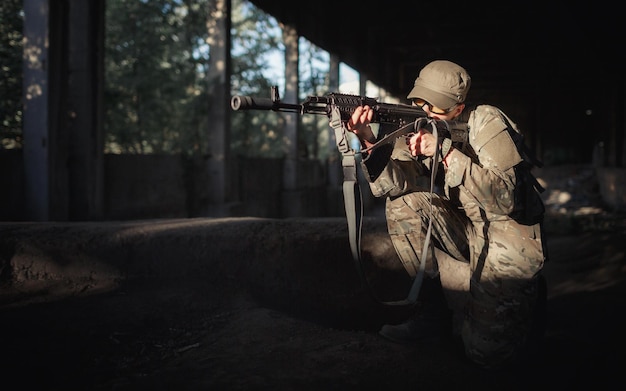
<point x="353" y="201"/>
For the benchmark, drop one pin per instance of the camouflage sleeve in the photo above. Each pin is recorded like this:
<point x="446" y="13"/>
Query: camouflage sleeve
<point x="489" y="179"/>
<point x="401" y="174"/>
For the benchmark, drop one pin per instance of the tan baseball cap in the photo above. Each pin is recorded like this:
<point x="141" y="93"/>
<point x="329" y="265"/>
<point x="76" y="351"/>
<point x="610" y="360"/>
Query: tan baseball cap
<point x="441" y="83"/>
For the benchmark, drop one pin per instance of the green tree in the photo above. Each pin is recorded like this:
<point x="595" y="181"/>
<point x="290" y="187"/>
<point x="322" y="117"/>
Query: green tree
<point x="154" y="60"/>
<point x="11" y="23"/>
<point x="314" y="70"/>
<point x="259" y="133"/>
<point x="156" y="64"/>
<point x="254" y="34"/>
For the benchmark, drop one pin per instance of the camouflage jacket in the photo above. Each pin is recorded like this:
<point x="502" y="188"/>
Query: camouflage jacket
<point x="481" y="178"/>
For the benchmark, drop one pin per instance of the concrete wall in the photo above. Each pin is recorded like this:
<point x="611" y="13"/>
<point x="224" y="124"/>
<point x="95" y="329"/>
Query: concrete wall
<point x="144" y="186"/>
<point x="164" y="186"/>
<point x="150" y="186"/>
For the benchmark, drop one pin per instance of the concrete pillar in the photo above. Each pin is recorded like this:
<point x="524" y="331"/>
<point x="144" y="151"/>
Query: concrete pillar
<point x="36" y="122"/>
<point x="362" y="84"/>
<point x="82" y="119"/>
<point x="335" y="201"/>
<point x="292" y="199"/>
<point x="223" y="194"/>
<point x="621" y="127"/>
<point x="63" y="79"/>
<point x="334" y="157"/>
<point x="290" y="173"/>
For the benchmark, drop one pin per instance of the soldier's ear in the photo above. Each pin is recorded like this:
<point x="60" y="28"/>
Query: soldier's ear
<point x="459" y="109"/>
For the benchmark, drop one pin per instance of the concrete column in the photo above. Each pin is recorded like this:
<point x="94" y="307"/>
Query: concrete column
<point x="223" y="194"/>
<point x="63" y="79"/>
<point x="290" y="173"/>
<point x="82" y="119"/>
<point x="621" y="127"/>
<point x="293" y="197"/>
<point x="333" y="166"/>
<point x="362" y="84"/>
<point x="333" y="86"/>
<point x="36" y="116"/>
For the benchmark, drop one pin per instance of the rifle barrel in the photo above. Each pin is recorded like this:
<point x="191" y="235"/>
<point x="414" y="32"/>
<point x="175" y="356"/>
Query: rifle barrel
<point x="239" y="102"/>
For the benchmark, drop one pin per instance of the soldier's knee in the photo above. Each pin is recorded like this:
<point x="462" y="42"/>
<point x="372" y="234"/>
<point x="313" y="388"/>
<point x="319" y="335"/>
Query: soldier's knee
<point x="504" y="324"/>
<point x="411" y="203"/>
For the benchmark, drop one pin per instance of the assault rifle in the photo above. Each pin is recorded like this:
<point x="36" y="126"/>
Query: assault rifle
<point x="396" y="120"/>
<point x="389" y="116"/>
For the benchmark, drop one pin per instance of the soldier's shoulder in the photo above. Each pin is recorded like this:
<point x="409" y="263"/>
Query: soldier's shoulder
<point x="485" y="111"/>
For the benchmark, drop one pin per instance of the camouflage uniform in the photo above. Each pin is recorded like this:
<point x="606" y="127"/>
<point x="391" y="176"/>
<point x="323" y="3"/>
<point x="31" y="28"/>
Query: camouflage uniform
<point x="471" y="223"/>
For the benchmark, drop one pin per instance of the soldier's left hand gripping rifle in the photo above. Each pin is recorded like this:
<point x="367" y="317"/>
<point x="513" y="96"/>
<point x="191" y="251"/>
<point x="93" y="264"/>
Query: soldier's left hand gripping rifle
<point x="395" y="120"/>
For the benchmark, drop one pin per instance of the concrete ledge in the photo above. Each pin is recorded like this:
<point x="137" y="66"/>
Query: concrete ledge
<point x="303" y="260"/>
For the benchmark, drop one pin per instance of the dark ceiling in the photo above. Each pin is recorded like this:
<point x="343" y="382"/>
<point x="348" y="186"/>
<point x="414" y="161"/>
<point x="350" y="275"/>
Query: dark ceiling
<point x="547" y="49"/>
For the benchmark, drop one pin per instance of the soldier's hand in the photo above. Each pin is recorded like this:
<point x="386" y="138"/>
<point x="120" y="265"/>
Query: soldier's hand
<point x="359" y="124"/>
<point x="422" y="143"/>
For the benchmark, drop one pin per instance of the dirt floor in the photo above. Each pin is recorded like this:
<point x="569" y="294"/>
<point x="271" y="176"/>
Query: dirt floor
<point x="255" y="304"/>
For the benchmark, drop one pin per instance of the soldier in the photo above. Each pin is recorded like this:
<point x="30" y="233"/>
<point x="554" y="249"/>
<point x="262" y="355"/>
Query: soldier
<point x="486" y="219"/>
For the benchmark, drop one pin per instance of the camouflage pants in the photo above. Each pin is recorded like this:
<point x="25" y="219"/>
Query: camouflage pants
<point x="501" y="259"/>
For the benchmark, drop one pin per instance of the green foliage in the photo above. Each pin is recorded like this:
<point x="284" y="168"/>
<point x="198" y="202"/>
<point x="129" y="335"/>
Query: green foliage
<point x="259" y="133"/>
<point x="314" y="131"/>
<point x="254" y="34"/>
<point x="156" y="62"/>
<point x="11" y="22"/>
<point x="156" y="90"/>
<point x="155" y="59"/>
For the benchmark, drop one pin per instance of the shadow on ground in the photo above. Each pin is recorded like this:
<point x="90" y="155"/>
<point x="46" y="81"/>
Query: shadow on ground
<point x="248" y="303"/>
